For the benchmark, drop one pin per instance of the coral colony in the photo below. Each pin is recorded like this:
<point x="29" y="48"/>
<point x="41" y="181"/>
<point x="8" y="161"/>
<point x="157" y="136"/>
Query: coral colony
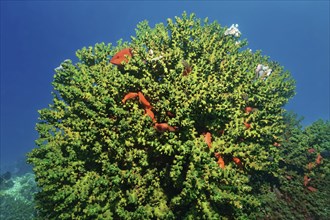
<point x="173" y="131"/>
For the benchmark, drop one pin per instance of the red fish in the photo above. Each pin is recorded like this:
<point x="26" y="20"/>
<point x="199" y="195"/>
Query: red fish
<point x="248" y="109"/>
<point x="162" y="127"/>
<point x="247" y="125"/>
<point x="288" y="177"/>
<point x="276" y="144"/>
<point x="220" y="161"/>
<point x="121" y="56"/>
<point x="130" y="95"/>
<point x="310" y="166"/>
<point x="143" y="100"/>
<point x="187" y="68"/>
<point x="312" y="189"/>
<point x="306" y="180"/>
<point x="170" y="114"/>
<point x="318" y="159"/>
<point x="238" y="162"/>
<point x="208" y="139"/>
<point x="150" y="114"/>
<point x="311" y="150"/>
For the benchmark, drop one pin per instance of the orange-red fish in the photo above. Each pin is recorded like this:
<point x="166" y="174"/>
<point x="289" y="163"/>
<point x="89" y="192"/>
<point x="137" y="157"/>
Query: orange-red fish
<point x="162" y="127"/>
<point x="150" y="114"/>
<point x="208" y="139"/>
<point x="187" y="68"/>
<point x="311" y="150"/>
<point x="220" y="161"/>
<point x="238" y="162"/>
<point x="310" y="166"/>
<point x="170" y="114"/>
<point x="306" y="180"/>
<point x="288" y="177"/>
<point x="130" y="95"/>
<point x="248" y="109"/>
<point x="312" y="189"/>
<point x="276" y="144"/>
<point x="318" y="159"/>
<point x="121" y="56"/>
<point x="247" y="125"/>
<point x="144" y="101"/>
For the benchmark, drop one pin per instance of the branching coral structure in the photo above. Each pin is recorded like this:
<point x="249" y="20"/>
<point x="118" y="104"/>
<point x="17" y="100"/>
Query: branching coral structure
<point x="177" y="129"/>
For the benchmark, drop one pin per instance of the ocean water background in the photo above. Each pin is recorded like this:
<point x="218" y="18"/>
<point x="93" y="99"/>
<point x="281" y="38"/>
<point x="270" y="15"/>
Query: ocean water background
<point x="37" y="36"/>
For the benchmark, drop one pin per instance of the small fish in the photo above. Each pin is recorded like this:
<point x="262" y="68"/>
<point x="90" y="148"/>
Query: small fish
<point x="220" y="161"/>
<point x="238" y="162"/>
<point x="187" y="68"/>
<point x="306" y="180"/>
<point x="310" y="166"/>
<point x="248" y="109"/>
<point x="121" y="56"/>
<point x="318" y="159"/>
<point x="288" y="177"/>
<point x="276" y="144"/>
<point x="162" y="127"/>
<point x="170" y="114"/>
<point x="144" y="101"/>
<point x="247" y="125"/>
<point x="311" y="150"/>
<point x="312" y="189"/>
<point x="150" y="114"/>
<point x="130" y="95"/>
<point x="208" y="139"/>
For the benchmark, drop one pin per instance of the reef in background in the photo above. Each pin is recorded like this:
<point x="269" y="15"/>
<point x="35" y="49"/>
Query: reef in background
<point x="17" y="195"/>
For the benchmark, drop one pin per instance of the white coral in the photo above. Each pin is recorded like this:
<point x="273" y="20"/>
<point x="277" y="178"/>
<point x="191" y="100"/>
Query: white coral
<point x="233" y="30"/>
<point x="59" y="68"/>
<point x="263" y="71"/>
